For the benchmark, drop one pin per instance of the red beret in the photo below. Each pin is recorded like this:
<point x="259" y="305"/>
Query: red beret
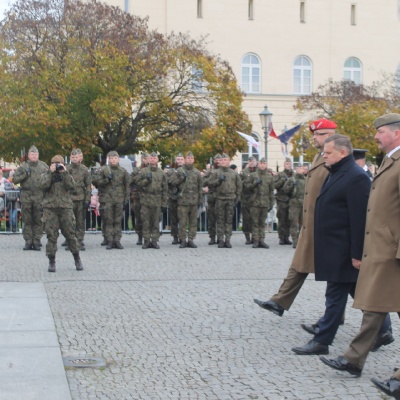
<point x="322" y="124"/>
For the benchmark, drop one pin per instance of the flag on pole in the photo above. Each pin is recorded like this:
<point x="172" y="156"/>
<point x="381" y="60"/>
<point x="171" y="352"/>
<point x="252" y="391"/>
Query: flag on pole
<point x="251" y="141"/>
<point x="272" y="132"/>
<point x="285" y="137"/>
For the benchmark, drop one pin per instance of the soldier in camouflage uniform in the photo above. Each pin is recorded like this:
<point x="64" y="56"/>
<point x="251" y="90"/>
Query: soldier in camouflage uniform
<point x="153" y="186"/>
<point x="260" y="185"/>
<point x="115" y="181"/>
<point x="28" y="175"/>
<point x="228" y="187"/>
<point x="135" y="198"/>
<point x="294" y="187"/>
<point x="173" y="193"/>
<point x="187" y="179"/>
<point x="246" y="200"/>
<point x="57" y="211"/>
<point x="210" y="191"/>
<point x="282" y="202"/>
<point x="81" y="195"/>
<point x="101" y="192"/>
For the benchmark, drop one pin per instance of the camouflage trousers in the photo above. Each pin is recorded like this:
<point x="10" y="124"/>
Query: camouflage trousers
<point x="113" y="213"/>
<point x="187" y="216"/>
<point x="80" y="218"/>
<point x="55" y="219"/>
<point x="224" y="210"/>
<point x="258" y="216"/>
<point x="32" y="221"/>
<point x="283" y="219"/>
<point x="247" y="225"/>
<point x="296" y="220"/>
<point x="103" y="219"/>
<point x="173" y="216"/>
<point x="151" y="222"/>
<point x="138" y="216"/>
<point x="211" y="217"/>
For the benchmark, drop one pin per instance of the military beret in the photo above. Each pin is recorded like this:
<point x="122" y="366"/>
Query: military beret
<point x="113" y="153"/>
<point x="224" y="155"/>
<point x="179" y="155"/>
<point x="189" y="154"/>
<point x="153" y="154"/>
<point x="74" y="152"/>
<point x="144" y="154"/>
<point x="57" y="159"/>
<point x="263" y="160"/>
<point x="33" y="149"/>
<point x="322" y="123"/>
<point x="359" y="154"/>
<point x="387" y="119"/>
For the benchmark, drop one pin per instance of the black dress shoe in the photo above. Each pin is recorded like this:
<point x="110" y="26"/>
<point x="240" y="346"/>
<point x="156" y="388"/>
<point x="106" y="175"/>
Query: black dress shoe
<point x="312" y="348"/>
<point x="391" y="387"/>
<point x="382" y="339"/>
<point x="341" y="364"/>
<point x="270" y="306"/>
<point x="313" y="329"/>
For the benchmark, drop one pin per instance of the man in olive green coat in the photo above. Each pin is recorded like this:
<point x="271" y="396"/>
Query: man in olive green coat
<point x="153" y="186"/>
<point x="115" y="181"/>
<point x="188" y="181"/>
<point x="28" y="176"/>
<point x="57" y="211"/>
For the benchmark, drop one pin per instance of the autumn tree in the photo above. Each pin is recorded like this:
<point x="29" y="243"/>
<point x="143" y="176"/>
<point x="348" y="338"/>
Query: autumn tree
<point x="84" y="74"/>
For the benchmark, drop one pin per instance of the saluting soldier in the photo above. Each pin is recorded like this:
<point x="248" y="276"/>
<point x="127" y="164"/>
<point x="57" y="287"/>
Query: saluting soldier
<point x="153" y="186"/>
<point x="116" y="183"/>
<point x="28" y="176"/>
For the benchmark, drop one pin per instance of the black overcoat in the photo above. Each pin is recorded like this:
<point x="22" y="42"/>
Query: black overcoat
<point x="340" y="214"/>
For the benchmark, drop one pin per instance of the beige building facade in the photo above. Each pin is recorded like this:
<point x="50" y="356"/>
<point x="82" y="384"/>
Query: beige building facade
<point x="280" y="49"/>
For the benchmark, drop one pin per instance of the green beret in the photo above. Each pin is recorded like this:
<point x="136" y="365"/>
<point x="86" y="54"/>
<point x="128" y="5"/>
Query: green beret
<point x="113" y="153"/>
<point x="75" y="152"/>
<point x="33" y="149"/>
<point x="387" y="119"/>
<point x="153" y="154"/>
<point x="263" y="160"/>
<point x="224" y="155"/>
<point x="189" y="154"/>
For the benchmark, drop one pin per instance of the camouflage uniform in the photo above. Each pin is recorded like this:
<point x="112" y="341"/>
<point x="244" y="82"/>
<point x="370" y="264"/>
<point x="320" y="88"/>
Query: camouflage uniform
<point x="135" y="203"/>
<point x="228" y="187"/>
<point x="153" y="186"/>
<point x="294" y="187"/>
<point x="282" y="204"/>
<point x="28" y="175"/>
<point x="188" y="181"/>
<point x="80" y="197"/>
<point x="58" y="213"/>
<point x="101" y="192"/>
<point x="173" y="193"/>
<point x="247" y="200"/>
<point x="260" y="187"/>
<point x="115" y="181"/>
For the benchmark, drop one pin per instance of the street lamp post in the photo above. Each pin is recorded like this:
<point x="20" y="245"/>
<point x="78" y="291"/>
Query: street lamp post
<point x="265" y="117"/>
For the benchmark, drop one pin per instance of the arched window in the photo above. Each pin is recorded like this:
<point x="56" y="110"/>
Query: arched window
<point x="252" y="151"/>
<point x="302" y="75"/>
<point x="352" y="70"/>
<point x="251" y="72"/>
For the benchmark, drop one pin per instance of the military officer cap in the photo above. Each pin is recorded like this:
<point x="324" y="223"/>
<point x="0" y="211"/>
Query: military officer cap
<point x="113" y="153"/>
<point x="57" y="159"/>
<point x="263" y="160"/>
<point x="189" y="154"/>
<point x="224" y="155"/>
<point x="144" y="154"/>
<point x="179" y="155"/>
<point x="387" y="119"/>
<point x="359" y="154"/>
<point x="287" y="159"/>
<point x="33" y="149"/>
<point x="153" y="154"/>
<point x="322" y="123"/>
<point x="75" y="152"/>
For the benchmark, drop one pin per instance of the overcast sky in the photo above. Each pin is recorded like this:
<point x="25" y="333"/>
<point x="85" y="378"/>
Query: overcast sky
<point x="3" y="5"/>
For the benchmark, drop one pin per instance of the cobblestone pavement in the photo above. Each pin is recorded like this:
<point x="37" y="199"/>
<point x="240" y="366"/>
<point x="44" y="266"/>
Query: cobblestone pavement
<point x="181" y="323"/>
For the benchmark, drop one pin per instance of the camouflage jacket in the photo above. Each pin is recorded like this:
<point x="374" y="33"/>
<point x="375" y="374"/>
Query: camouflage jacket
<point x="56" y="186"/>
<point x="259" y="186"/>
<point x="294" y="187"/>
<point x="173" y="190"/>
<point x="135" y="192"/>
<point x="28" y="176"/>
<point x="188" y="182"/>
<point x="83" y="182"/>
<point x="247" y="194"/>
<point x="279" y="181"/>
<point x="227" y="183"/>
<point x="153" y="186"/>
<point x="115" y="184"/>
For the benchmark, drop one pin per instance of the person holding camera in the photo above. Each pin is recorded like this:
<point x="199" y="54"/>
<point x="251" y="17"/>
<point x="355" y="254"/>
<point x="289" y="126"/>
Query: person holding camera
<point x="28" y="175"/>
<point x="58" y="212"/>
<point x="114" y="181"/>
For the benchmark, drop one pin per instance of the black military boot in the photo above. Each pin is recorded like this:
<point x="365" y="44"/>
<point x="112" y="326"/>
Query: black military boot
<point x="263" y="245"/>
<point x="104" y="242"/>
<point x="36" y="246"/>
<point x="281" y="241"/>
<point x="294" y="244"/>
<point x="228" y="243"/>
<point x="64" y="243"/>
<point x="78" y="262"/>
<point x="52" y="264"/>
<point x="118" y="245"/>
<point x="287" y="240"/>
<point x="140" y="240"/>
<point x="212" y="240"/>
<point x="146" y="244"/>
<point x="110" y="245"/>
<point x="221" y="243"/>
<point x="255" y="244"/>
<point x="191" y="244"/>
<point x="183" y="244"/>
<point x="155" y="245"/>
<point x="28" y="246"/>
<point x="248" y="239"/>
<point x="175" y="240"/>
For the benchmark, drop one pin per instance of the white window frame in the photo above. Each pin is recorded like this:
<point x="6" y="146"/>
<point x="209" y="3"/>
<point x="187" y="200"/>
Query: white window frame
<point x="350" y="71"/>
<point x="299" y="72"/>
<point x="252" y="68"/>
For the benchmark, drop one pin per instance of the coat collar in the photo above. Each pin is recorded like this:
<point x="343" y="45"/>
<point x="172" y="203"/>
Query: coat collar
<point x="388" y="163"/>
